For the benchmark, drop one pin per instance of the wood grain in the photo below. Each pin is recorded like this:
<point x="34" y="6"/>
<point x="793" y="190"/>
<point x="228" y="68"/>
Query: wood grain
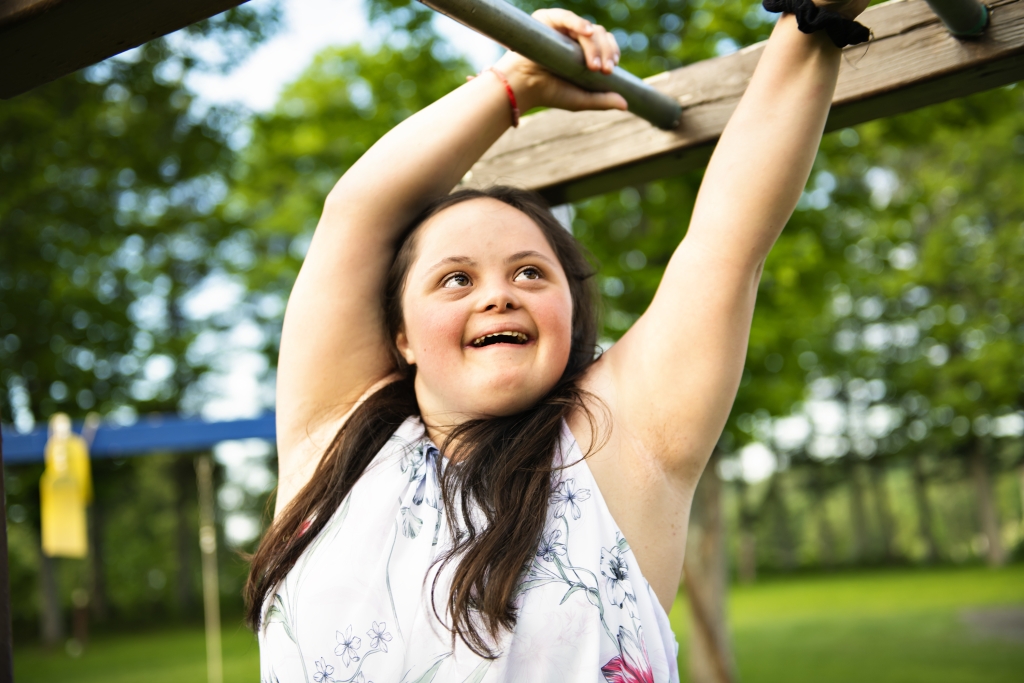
<point x="41" y="40"/>
<point x="911" y="62"/>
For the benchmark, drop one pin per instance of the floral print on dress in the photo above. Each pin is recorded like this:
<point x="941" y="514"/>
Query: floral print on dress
<point x="580" y="614"/>
<point x="632" y="664"/>
<point x="348" y="646"/>
<point x="615" y="570"/>
<point x="323" y="672"/>
<point x="379" y="638"/>
<point x="566" y="495"/>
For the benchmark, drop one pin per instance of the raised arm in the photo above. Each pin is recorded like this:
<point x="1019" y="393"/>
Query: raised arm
<point x="673" y="377"/>
<point x="333" y="346"/>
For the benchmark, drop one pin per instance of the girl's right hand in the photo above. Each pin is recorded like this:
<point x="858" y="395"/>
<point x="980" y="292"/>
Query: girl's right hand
<point x="535" y="86"/>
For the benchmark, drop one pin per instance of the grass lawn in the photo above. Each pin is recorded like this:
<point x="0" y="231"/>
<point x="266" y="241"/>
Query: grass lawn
<point x="159" y="656"/>
<point x="901" y="626"/>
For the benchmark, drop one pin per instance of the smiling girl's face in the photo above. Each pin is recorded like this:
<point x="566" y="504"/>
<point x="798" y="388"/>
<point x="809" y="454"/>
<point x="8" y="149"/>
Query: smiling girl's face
<point x="487" y="313"/>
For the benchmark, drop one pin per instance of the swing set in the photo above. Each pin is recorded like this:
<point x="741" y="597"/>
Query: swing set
<point x="921" y="52"/>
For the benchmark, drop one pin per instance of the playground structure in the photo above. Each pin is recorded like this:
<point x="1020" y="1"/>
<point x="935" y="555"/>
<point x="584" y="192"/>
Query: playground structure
<point x="920" y="53"/>
<point x="912" y="61"/>
<point x="153" y="434"/>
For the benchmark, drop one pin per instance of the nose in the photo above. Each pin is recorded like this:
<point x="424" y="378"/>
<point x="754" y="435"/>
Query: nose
<point x="498" y="296"/>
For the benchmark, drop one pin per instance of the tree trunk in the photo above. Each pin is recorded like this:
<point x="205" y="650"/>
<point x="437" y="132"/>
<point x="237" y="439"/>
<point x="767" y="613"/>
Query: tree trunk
<point x="782" y="526"/>
<point x="706" y="574"/>
<point x="884" y="511"/>
<point x="186" y="533"/>
<point x="987" y="512"/>
<point x="97" y="576"/>
<point x="746" y="561"/>
<point x="924" y="511"/>
<point x="51" y="621"/>
<point x="826" y="539"/>
<point x="860" y="548"/>
<point x="1020" y="475"/>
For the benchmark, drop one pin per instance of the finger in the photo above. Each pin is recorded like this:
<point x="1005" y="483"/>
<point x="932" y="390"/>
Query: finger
<point x="581" y="100"/>
<point x="604" y="52"/>
<point x="609" y="50"/>
<point x="567" y="22"/>
<point x="591" y="53"/>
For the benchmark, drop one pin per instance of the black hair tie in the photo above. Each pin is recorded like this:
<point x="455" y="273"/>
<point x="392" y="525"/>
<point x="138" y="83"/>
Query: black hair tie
<point x="811" y="18"/>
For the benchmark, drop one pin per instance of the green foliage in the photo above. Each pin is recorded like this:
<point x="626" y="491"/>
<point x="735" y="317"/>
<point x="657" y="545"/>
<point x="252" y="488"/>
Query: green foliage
<point x="110" y="214"/>
<point x="344" y="102"/>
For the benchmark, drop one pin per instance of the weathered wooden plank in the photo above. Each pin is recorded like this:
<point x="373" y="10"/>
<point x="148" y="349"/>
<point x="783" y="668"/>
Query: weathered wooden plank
<point x="911" y="62"/>
<point x="41" y="40"/>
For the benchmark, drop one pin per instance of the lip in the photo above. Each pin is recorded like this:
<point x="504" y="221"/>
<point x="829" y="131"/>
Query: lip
<point x="506" y="327"/>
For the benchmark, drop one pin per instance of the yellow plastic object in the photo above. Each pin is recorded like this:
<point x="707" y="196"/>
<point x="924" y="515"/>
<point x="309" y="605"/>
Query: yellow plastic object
<point x="65" y="489"/>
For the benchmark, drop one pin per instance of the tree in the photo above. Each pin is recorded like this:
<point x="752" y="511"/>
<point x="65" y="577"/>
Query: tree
<point x="112" y="181"/>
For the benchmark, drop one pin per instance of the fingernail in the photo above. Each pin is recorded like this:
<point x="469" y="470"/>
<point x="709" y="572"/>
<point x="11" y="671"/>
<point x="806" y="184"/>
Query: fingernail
<point x="597" y="62"/>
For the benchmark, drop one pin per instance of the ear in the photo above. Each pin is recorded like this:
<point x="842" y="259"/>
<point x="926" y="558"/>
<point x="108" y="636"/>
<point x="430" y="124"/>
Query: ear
<point x="404" y="349"/>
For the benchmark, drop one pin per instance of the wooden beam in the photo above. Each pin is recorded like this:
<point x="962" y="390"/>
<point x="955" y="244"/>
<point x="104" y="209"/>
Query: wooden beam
<point x="911" y="62"/>
<point x="41" y="40"/>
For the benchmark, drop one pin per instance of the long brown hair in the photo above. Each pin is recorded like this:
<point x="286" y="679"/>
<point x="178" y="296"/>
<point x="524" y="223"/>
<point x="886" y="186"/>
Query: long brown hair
<point x="498" y="467"/>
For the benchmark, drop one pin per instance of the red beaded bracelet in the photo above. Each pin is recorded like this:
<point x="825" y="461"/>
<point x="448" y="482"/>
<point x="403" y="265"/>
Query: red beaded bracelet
<point x="508" y="89"/>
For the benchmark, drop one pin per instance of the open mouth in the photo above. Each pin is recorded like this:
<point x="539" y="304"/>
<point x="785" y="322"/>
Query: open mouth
<point x="500" y="338"/>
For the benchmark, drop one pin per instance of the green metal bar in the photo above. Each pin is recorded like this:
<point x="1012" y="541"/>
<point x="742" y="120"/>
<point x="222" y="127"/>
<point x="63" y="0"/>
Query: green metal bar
<point x="963" y="18"/>
<point x="521" y="33"/>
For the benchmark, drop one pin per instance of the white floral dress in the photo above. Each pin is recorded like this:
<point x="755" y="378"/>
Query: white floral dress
<point x="356" y="606"/>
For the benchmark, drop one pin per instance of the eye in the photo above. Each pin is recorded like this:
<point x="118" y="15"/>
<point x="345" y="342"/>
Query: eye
<point x="456" y="280"/>
<point x="528" y="273"/>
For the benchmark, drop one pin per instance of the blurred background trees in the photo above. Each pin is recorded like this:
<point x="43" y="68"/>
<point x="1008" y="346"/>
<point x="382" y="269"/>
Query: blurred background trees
<point x="146" y="240"/>
<point x="111" y="221"/>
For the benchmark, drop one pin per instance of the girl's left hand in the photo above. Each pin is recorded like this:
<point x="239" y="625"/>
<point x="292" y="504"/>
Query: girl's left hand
<point x="535" y="86"/>
<point x="849" y="9"/>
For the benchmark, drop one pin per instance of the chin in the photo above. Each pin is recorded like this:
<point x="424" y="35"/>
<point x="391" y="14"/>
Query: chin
<point x="508" y="396"/>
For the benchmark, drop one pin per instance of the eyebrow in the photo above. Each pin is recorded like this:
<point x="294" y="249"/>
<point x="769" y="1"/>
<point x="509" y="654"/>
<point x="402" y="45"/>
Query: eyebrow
<point x="520" y="255"/>
<point x="467" y="261"/>
<point x="461" y="260"/>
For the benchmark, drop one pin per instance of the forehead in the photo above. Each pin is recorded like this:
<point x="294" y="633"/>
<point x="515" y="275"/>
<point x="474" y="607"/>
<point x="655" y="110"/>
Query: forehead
<point x="480" y="228"/>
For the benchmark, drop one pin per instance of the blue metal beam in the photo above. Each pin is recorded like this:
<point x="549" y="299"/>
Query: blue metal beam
<point x="157" y="433"/>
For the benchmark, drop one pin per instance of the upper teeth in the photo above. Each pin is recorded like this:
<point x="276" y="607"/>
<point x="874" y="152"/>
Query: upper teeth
<point x="522" y="338"/>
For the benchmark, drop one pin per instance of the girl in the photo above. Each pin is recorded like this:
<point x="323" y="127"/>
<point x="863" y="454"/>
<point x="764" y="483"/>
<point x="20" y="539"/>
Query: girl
<point x="467" y="492"/>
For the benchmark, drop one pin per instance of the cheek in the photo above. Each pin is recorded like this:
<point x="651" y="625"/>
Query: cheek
<point x="553" y="316"/>
<point x="434" y="333"/>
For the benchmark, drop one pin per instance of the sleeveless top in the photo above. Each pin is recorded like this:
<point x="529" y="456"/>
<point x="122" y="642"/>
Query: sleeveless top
<point x="356" y="607"/>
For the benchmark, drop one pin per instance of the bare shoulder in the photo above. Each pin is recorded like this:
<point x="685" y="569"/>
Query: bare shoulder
<point x="650" y="505"/>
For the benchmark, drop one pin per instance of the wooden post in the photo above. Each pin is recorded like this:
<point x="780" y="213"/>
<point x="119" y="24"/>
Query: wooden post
<point x="706" y="578"/>
<point x="6" y="649"/>
<point x="211" y="589"/>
